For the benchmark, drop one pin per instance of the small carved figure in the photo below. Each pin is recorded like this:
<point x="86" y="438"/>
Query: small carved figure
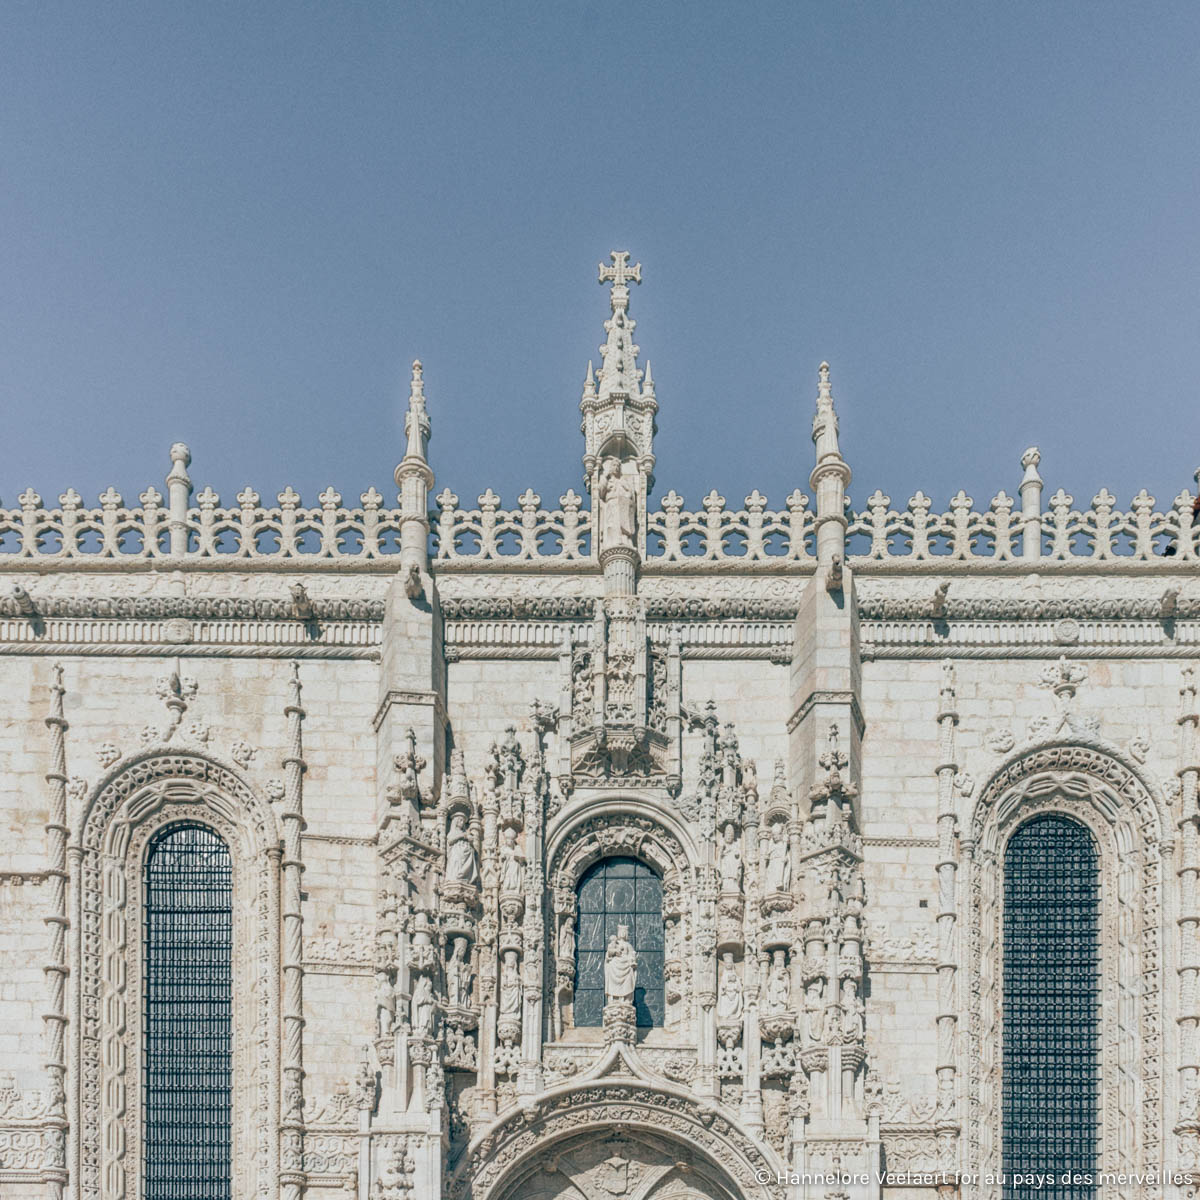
<point x="730" y="998"/>
<point x="422" y="1007"/>
<point x="385" y="1005"/>
<point x="512" y="864"/>
<point x="814" y="1012"/>
<point x="618" y="506"/>
<point x="462" y="865"/>
<point x="566" y="938"/>
<point x="510" y="986"/>
<point x="779" y="859"/>
<point x="853" y="1025"/>
<point x="458" y="974"/>
<point x="731" y="861"/>
<point x="620" y="967"/>
<point x="779" y="988"/>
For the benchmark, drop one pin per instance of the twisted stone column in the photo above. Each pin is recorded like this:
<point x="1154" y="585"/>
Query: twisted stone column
<point x="58" y="922"/>
<point x="292" y="1150"/>
<point x="1188" y="1123"/>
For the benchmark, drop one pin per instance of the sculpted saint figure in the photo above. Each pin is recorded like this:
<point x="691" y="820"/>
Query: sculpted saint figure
<point x="620" y="967"/>
<point x="512" y="872"/>
<point x="462" y="866"/>
<point x="778" y="984"/>
<point x="779" y="860"/>
<point x="422" y="1006"/>
<point x="731" y="861"/>
<point x="510" y="986"/>
<point x="814" y="1012"/>
<point x="385" y="1005"/>
<point x="458" y="974"/>
<point x="730" y="999"/>
<point x="853" y="1025"/>
<point x="618" y="506"/>
<point x="566" y="938"/>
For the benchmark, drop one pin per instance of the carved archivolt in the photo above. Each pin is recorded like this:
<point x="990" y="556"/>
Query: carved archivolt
<point x="682" y="1128"/>
<point x="158" y="788"/>
<point x="1091" y="784"/>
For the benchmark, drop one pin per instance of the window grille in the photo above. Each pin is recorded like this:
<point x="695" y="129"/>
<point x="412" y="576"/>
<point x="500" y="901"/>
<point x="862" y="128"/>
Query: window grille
<point x="1051" y="1007"/>
<point x="619" y="891"/>
<point x="188" y="956"/>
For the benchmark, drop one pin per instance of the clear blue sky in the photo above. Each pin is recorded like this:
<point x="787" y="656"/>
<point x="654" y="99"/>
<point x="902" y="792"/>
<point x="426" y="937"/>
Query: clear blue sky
<point x="236" y="224"/>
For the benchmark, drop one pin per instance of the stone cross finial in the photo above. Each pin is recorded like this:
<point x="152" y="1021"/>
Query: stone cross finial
<point x="620" y="273"/>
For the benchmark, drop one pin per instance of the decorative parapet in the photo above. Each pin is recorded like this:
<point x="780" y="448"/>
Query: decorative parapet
<point x="1101" y="533"/>
<point x="249" y="531"/>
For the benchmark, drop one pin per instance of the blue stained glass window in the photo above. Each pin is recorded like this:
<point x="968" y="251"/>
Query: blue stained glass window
<point x="188" y="1015"/>
<point x="614" y="892"/>
<point x="1051" y="1066"/>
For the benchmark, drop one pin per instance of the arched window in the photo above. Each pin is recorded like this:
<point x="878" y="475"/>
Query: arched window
<point x="615" y="892"/>
<point x="188" y="947"/>
<point x="1051" y="1016"/>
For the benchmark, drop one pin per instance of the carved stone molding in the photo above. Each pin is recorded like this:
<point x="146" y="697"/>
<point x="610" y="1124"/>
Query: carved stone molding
<point x="144" y="794"/>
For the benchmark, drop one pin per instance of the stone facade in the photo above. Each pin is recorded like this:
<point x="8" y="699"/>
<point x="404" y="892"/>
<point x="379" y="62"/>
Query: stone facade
<point x="419" y="727"/>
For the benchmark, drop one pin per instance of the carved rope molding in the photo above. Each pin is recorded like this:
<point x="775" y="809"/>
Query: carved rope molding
<point x="250" y="532"/>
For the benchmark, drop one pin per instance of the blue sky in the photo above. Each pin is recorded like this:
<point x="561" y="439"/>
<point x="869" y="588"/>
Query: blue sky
<point x="236" y="225"/>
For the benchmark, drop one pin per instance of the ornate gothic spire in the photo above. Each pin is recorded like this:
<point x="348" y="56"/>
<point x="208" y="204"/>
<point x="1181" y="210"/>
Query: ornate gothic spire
<point x="829" y="477"/>
<point x="618" y="409"/>
<point x="414" y="477"/>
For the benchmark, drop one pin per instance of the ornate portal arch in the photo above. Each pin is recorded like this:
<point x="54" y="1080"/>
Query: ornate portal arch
<point x="163" y="786"/>
<point x="623" y="1136"/>
<point x="1093" y="784"/>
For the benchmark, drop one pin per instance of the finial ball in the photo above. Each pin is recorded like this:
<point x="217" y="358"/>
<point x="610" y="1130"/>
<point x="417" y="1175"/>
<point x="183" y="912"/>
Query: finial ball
<point x="181" y="454"/>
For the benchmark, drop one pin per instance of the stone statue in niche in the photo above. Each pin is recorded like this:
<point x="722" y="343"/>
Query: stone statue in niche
<point x="814" y="1012"/>
<point x="779" y="859"/>
<point x="620" y="967"/>
<point x="385" y="1005"/>
<point x="462" y="865"/>
<point x="779" y="991"/>
<point x="618" y="506"/>
<point x="422" y="1007"/>
<point x="731" y="861"/>
<point x="510" y="986"/>
<point x="730" y="998"/>
<point x="512" y="864"/>
<point x="853" y="1025"/>
<point x="458" y="974"/>
<point x="566" y="938"/>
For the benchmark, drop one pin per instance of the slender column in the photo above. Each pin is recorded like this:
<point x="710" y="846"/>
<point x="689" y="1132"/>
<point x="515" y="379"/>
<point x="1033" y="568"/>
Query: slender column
<point x="56" y="968"/>
<point x="1189" y="909"/>
<point x="179" y="491"/>
<point x="292" y="1177"/>
<point x="1031" y="505"/>
<point x="947" y="871"/>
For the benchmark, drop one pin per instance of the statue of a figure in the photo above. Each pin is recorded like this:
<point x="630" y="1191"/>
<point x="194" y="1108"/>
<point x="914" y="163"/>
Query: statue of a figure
<point x="512" y="864"/>
<point x="779" y="860"/>
<point x="422" y="1006"/>
<point x="618" y="506"/>
<point x="731" y="861"/>
<point x="385" y="1005"/>
<point x="730" y="999"/>
<point x="458" y="974"/>
<point x="510" y="986"/>
<point x="566" y="939"/>
<point x="779" y="990"/>
<point x="462" y="866"/>
<point x="853" y="1024"/>
<point x="620" y="967"/>
<point x="814" y="1012"/>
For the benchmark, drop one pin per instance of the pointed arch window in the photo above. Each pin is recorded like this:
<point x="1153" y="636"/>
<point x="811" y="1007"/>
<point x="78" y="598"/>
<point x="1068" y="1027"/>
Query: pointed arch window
<point x="187" y="1021"/>
<point x="616" y="892"/>
<point x="1051" y="1016"/>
